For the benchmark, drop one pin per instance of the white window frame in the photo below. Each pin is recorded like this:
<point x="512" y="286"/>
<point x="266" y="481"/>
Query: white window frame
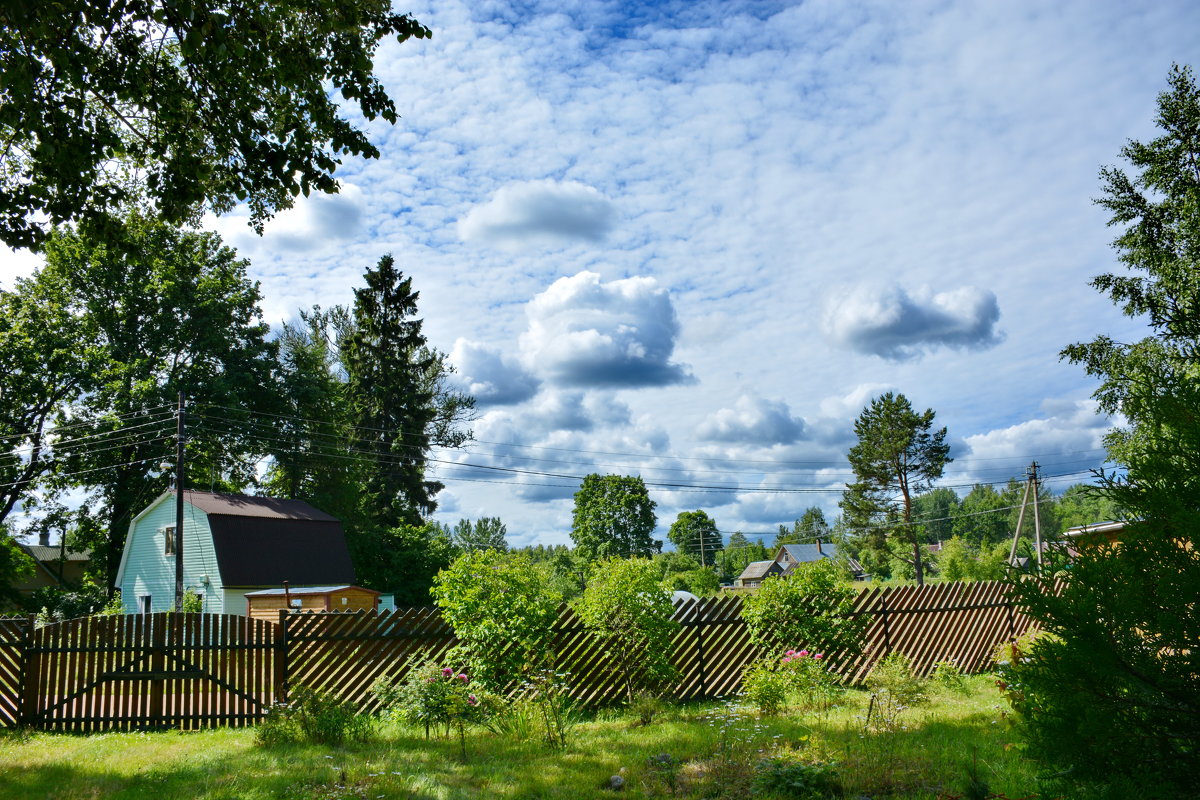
<point x="145" y="604"/>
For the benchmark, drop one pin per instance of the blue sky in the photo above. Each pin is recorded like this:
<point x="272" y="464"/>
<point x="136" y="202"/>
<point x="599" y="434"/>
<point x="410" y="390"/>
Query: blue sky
<point x="691" y="240"/>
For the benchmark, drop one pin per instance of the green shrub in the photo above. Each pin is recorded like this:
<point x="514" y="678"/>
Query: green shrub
<point x="948" y="676"/>
<point x="627" y="609"/>
<point x="502" y="611"/>
<point x="646" y="705"/>
<point x="766" y="686"/>
<point x="788" y="778"/>
<point x="894" y="689"/>
<point x="815" y="684"/>
<point x="431" y="697"/>
<point x="315" y="717"/>
<point x="547" y="695"/>
<point x="807" y="609"/>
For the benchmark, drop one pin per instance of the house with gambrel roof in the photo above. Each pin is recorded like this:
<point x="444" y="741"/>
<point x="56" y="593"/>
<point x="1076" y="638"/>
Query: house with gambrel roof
<point x="787" y="557"/>
<point x="232" y="544"/>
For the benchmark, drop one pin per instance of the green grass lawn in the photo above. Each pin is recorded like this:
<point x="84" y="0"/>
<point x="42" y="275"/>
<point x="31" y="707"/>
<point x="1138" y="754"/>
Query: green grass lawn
<point x="928" y="757"/>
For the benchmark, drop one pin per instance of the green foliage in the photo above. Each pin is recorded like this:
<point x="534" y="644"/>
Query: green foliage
<point x="898" y="456"/>
<point x="895" y="689"/>
<point x="55" y="604"/>
<point x="193" y="603"/>
<point x="162" y="310"/>
<point x="15" y="565"/>
<point x="960" y="561"/>
<point x="1112" y="695"/>
<point x="796" y="780"/>
<point x="485" y="533"/>
<point x="808" y="608"/>
<point x="402" y="560"/>
<point x="627" y="609"/>
<point x="766" y="686"/>
<point x="392" y="390"/>
<point x="646" y="706"/>
<point x="817" y="687"/>
<point x="546" y="696"/>
<point x="315" y="717"/>
<point x="432" y="697"/>
<point x="188" y="105"/>
<point x="613" y="517"/>
<point x="810" y="525"/>
<point x="696" y="534"/>
<point x="948" y="676"/>
<point x="1082" y="504"/>
<point x="502" y="612"/>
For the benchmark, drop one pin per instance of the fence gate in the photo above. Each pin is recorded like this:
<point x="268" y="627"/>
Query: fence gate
<point x="149" y="670"/>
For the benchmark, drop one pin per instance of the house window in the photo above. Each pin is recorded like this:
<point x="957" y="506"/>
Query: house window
<point x="169" y="540"/>
<point x="143" y="604"/>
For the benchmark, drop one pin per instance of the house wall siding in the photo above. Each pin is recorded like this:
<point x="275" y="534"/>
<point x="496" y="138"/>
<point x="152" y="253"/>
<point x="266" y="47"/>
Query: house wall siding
<point x="150" y="571"/>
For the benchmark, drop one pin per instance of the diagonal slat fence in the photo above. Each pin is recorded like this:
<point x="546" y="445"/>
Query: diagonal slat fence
<point x="201" y="670"/>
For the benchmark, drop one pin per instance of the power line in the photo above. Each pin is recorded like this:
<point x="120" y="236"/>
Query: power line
<point x="89" y="423"/>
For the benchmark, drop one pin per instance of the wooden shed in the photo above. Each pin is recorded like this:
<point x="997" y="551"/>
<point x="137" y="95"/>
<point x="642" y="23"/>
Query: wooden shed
<point x="265" y="604"/>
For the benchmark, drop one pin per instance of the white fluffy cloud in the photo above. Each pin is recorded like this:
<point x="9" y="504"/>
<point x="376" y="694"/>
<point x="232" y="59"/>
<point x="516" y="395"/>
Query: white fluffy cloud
<point x="890" y="322"/>
<point x="584" y="332"/>
<point x="489" y="377"/>
<point x="537" y="211"/>
<point x="753" y="420"/>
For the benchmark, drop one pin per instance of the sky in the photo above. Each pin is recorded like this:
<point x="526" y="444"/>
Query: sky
<point x="692" y="240"/>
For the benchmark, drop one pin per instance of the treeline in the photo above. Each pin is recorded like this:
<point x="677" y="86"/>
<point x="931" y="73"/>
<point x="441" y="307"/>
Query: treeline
<point x="339" y="409"/>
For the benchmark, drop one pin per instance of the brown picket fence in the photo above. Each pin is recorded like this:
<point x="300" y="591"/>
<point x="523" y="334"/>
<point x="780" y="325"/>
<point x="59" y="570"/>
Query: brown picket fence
<point x="200" y="670"/>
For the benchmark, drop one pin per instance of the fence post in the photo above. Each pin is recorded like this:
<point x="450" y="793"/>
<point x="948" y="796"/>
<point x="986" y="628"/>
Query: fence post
<point x="30" y="675"/>
<point x="158" y="665"/>
<point x="1011" y="629"/>
<point x="700" y="657"/>
<point x="887" y="636"/>
<point x="281" y="658"/>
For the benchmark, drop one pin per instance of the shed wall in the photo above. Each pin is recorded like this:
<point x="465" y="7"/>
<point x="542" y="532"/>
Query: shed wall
<point x="150" y="571"/>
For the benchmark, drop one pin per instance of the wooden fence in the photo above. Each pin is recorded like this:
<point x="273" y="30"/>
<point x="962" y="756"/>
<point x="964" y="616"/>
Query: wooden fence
<point x="195" y="670"/>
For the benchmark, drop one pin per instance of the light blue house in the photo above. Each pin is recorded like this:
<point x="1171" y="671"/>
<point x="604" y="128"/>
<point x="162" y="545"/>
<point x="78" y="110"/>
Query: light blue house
<point x="232" y="544"/>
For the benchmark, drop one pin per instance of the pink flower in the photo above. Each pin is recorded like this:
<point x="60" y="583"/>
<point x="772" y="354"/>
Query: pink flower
<point x="462" y="677"/>
<point x="790" y="653"/>
<point x="447" y="671"/>
<point x="819" y="655"/>
<point x="471" y="699"/>
<point x="802" y="653"/>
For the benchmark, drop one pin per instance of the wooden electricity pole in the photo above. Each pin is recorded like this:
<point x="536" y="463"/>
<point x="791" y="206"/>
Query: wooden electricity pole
<point x="179" y="506"/>
<point x="1031" y="490"/>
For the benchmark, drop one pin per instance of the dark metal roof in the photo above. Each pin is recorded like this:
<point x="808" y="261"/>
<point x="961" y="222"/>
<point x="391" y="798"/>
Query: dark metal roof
<point x="264" y="541"/>
<point x="241" y="505"/>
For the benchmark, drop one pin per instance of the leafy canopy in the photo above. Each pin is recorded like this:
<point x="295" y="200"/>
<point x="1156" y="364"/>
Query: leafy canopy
<point x="189" y="104"/>
<point x="808" y="609"/>
<point x="613" y="517"/>
<point x="695" y="533"/>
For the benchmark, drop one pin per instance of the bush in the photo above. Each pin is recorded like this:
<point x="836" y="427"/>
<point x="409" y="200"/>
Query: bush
<point x="807" y="609"/>
<point x="894" y="689"/>
<point x="766" y="686"/>
<point x="312" y="716"/>
<point x="431" y="697"/>
<point x="627" y="609"/>
<point x="809" y="675"/>
<point x="787" y="778"/>
<point x="502" y="611"/>
<point x="948" y="676"/>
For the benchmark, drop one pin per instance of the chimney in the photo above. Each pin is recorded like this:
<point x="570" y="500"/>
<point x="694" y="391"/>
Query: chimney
<point x="44" y="538"/>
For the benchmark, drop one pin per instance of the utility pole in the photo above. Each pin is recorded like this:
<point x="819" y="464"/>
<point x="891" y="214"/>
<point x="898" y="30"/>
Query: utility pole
<point x="1031" y="488"/>
<point x="179" y="506"/>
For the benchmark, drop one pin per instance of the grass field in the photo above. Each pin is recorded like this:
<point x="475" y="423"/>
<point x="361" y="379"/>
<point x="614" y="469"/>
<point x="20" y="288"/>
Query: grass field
<point x="681" y="754"/>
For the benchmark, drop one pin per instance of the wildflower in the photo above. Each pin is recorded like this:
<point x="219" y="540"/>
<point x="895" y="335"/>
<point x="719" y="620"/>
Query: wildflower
<point x="802" y="653"/>
<point x="462" y="677"/>
<point x="471" y="699"/>
<point x="447" y="671"/>
<point x="819" y="655"/>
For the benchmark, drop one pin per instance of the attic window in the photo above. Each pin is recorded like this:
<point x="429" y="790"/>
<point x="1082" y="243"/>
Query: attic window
<point x="169" y="540"/>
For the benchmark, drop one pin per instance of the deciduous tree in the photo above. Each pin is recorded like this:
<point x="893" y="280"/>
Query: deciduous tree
<point x="613" y="517"/>
<point x="187" y="104"/>
<point x="695" y="533"/>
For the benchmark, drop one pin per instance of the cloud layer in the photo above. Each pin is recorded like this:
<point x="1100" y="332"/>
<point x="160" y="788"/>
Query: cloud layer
<point x="889" y="322"/>
<point x="753" y="420"/>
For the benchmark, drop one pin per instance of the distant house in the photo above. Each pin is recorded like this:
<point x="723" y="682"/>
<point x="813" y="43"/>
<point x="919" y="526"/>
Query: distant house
<point x="53" y="565"/>
<point x="787" y="557"/>
<point x="232" y="545"/>
<point x="1097" y="531"/>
